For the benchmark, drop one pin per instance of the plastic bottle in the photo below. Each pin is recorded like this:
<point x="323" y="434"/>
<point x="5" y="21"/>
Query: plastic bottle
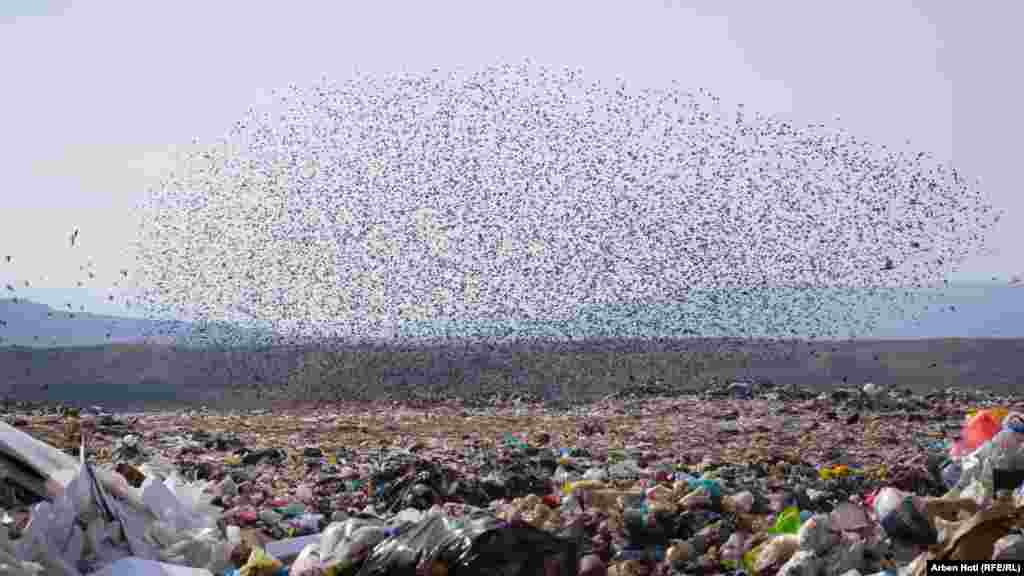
<point x="651" y="554"/>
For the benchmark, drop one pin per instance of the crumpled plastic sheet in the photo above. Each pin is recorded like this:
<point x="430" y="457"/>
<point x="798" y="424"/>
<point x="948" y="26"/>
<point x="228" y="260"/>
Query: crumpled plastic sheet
<point x="476" y="544"/>
<point x="1003" y="451"/>
<point x="95" y="518"/>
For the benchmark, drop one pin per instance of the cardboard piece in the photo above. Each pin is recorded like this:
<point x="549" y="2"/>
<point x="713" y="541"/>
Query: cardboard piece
<point x="971" y="539"/>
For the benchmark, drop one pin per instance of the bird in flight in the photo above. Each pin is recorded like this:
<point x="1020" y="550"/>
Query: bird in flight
<point x="74" y="237"/>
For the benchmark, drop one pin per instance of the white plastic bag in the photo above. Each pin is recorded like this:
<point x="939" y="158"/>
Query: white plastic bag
<point x="308" y="562"/>
<point x="199" y="548"/>
<point x="105" y="541"/>
<point x="803" y="563"/>
<point x="344" y="550"/>
<point x="162" y="499"/>
<point x="1004" y="451"/>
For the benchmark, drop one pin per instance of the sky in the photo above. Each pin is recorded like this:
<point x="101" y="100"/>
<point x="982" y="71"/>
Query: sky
<point x="100" y="94"/>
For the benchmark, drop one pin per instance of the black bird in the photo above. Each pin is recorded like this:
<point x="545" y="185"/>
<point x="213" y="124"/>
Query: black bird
<point x="74" y="237"/>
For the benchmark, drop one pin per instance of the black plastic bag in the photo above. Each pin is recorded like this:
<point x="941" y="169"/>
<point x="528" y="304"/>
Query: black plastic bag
<point x="1009" y="480"/>
<point x="478" y="545"/>
<point x="418" y="485"/>
<point x="910" y="526"/>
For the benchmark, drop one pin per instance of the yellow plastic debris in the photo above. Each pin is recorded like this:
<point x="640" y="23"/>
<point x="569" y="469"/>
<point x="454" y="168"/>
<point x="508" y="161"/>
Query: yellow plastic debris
<point x="261" y="564"/>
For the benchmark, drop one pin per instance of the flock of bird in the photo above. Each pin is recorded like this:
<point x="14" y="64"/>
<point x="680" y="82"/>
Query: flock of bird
<point x="353" y="210"/>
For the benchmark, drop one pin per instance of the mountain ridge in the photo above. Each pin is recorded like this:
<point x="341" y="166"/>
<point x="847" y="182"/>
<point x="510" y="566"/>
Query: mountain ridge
<point x="964" y="311"/>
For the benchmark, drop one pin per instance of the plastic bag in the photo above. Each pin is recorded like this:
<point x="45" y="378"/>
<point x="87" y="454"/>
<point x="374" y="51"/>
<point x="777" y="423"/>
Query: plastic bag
<point x="788" y="522"/>
<point x="305" y="524"/>
<point x="647" y="528"/>
<point x="742" y="502"/>
<point x="735" y="547"/>
<point x="801" y="563"/>
<point x="849" y="517"/>
<point x="55" y="536"/>
<point x="774" y="552"/>
<point x="904" y="517"/>
<point x="816" y="535"/>
<point x="847" y="555"/>
<point x="1005" y="451"/>
<point x="158" y="466"/>
<point x="477" y="544"/>
<point x="981" y="427"/>
<point x="201" y="549"/>
<point x="348" y="543"/>
<point x="307" y="563"/>
<point x="951" y="474"/>
<point x="182" y="506"/>
<point x="261" y="564"/>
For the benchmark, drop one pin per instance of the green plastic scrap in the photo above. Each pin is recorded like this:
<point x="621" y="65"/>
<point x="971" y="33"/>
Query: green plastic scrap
<point x="788" y="522"/>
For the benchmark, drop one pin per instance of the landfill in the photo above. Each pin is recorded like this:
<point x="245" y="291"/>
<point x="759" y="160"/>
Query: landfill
<point x="742" y="478"/>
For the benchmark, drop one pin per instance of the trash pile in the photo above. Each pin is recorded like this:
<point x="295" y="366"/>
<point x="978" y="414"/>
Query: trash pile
<point x="742" y="479"/>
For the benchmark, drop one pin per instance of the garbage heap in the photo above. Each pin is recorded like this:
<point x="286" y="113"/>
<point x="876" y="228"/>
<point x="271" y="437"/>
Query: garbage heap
<point x="521" y="505"/>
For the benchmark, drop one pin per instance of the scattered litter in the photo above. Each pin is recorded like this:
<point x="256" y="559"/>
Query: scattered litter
<point x="741" y="477"/>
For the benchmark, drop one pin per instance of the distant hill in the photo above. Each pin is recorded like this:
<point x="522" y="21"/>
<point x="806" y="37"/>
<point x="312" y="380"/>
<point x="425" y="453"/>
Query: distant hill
<point x="964" y="311"/>
<point x="31" y="324"/>
<point x="969" y="336"/>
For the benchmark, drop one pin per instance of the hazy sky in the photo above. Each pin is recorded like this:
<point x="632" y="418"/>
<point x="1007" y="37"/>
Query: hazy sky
<point x="97" y="93"/>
